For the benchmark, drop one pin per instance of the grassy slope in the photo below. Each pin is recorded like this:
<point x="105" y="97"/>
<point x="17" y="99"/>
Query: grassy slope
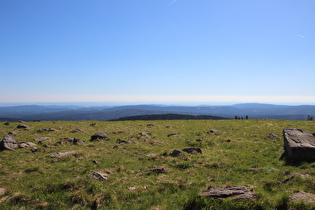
<point x="36" y="180"/>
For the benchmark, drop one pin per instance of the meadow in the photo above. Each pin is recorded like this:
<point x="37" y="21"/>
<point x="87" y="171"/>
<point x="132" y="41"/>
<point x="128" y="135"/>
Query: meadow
<point x="141" y="173"/>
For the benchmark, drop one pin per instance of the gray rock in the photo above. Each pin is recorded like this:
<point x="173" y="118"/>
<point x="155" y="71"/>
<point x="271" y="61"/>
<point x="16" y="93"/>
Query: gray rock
<point x="99" y="137"/>
<point x="145" y="134"/>
<point x="26" y="144"/>
<point x="42" y="139"/>
<point x="12" y="133"/>
<point x="98" y="176"/>
<point x="63" y="154"/>
<point x="47" y="129"/>
<point x="303" y="196"/>
<point x="34" y="149"/>
<point x="212" y="131"/>
<point x="299" y="145"/>
<point x="172" y="134"/>
<point x="192" y="150"/>
<point x="22" y="126"/>
<point x="120" y="141"/>
<point x="273" y="136"/>
<point x="235" y="193"/>
<point x="175" y="153"/>
<point x="8" y="142"/>
<point x="73" y="141"/>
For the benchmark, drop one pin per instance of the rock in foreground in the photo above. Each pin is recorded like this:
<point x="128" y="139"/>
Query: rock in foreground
<point x="235" y="193"/>
<point x="299" y="145"/>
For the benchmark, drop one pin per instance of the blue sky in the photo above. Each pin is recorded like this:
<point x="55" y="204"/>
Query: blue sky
<point x="157" y="51"/>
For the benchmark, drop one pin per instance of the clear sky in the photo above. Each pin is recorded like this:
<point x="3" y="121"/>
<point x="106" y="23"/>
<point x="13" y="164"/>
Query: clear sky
<point x="148" y="51"/>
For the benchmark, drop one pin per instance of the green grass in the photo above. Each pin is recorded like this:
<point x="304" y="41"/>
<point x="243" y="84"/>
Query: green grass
<point x="35" y="180"/>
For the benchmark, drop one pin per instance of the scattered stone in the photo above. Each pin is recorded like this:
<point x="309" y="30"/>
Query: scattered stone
<point x="7" y="123"/>
<point x="172" y="134"/>
<point x="63" y="154"/>
<point x="303" y="196"/>
<point x="98" y="176"/>
<point x="26" y="144"/>
<point x="47" y="129"/>
<point x="12" y="133"/>
<point x="199" y="140"/>
<point x="138" y="188"/>
<point x="76" y="130"/>
<point x="255" y="168"/>
<point x="34" y="149"/>
<point x="8" y="142"/>
<point x="145" y="134"/>
<point x="22" y="126"/>
<point x="3" y="191"/>
<point x="120" y="141"/>
<point x="299" y="145"/>
<point x="175" y="153"/>
<point x="95" y="162"/>
<point x="273" y="136"/>
<point x="99" y="137"/>
<point x="236" y="193"/>
<point x="152" y="155"/>
<point x="212" y="131"/>
<point x="226" y="140"/>
<point x="192" y="150"/>
<point x="159" y="170"/>
<point x="72" y="141"/>
<point x="150" y="125"/>
<point x="93" y="124"/>
<point x="42" y="139"/>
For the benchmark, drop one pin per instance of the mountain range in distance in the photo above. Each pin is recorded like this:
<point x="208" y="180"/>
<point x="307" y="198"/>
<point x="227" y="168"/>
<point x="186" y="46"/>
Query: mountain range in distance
<point x="104" y="113"/>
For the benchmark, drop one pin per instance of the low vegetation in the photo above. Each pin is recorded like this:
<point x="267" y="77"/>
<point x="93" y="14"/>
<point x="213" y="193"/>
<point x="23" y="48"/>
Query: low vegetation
<point x="138" y="172"/>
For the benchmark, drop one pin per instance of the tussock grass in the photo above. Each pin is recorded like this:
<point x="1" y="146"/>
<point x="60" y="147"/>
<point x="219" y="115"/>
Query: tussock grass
<point x="142" y="174"/>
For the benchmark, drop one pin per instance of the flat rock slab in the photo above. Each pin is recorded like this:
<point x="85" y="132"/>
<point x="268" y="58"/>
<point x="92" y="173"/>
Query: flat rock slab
<point x="63" y="154"/>
<point x="299" y="145"/>
<point x="235" y="193"/>
<point x="303" y="196"/>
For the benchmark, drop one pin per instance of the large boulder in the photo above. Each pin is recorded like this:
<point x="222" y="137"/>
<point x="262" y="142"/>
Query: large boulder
<point x="8" y="142"/>
<point x="299" y="145"/>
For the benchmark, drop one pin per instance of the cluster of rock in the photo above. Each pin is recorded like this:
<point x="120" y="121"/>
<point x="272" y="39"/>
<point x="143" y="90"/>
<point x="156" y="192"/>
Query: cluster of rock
<point x="8" y="142"/>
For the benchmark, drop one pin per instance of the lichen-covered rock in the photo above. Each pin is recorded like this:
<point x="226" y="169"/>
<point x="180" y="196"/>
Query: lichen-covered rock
<point x="8" y="142"/>
<point x="299" y="145"/>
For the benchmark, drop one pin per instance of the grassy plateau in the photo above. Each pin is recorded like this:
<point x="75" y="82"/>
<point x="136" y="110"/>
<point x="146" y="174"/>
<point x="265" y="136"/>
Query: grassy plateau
<point x="142" y="174"/>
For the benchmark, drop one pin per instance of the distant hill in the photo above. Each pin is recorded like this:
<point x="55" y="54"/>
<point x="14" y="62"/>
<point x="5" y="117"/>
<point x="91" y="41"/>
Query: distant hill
<point x="102" y="113"/>
<point x="170" y="117"/>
